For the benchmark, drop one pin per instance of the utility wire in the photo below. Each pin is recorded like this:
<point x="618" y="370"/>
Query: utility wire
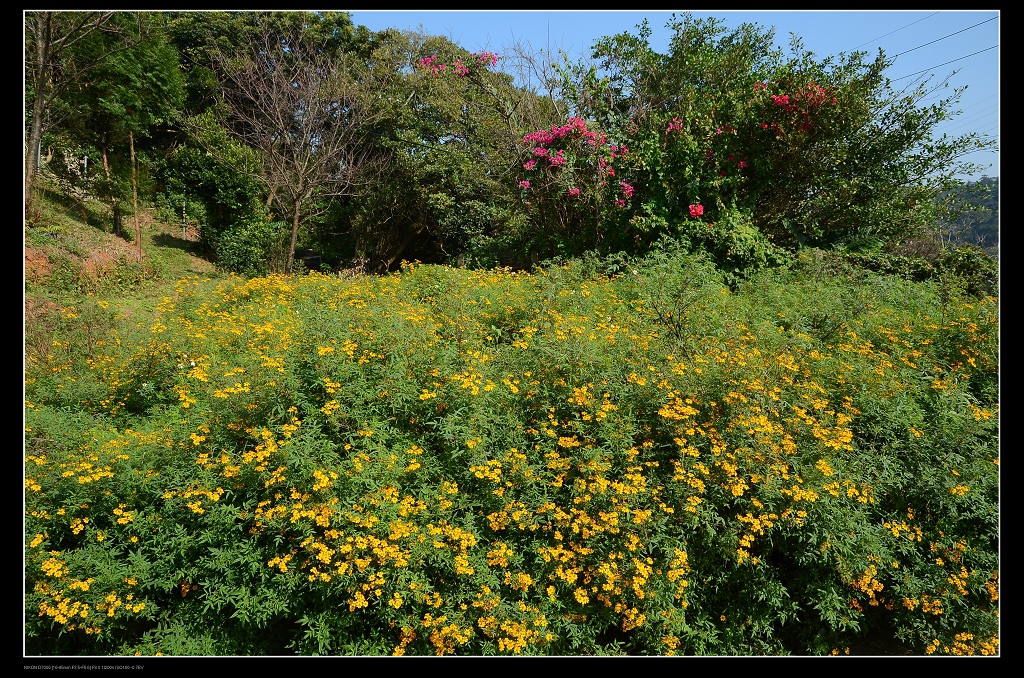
<point x="970" y="121"/>
<point x="946" y="36"/>
<point x="904" y="77"/>
<point x="896" y="31"/>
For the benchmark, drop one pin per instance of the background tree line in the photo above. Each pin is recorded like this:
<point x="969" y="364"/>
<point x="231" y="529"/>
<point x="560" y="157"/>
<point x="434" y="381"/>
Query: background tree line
<point x="289" y="130"/>
<point x="978" y="222"/>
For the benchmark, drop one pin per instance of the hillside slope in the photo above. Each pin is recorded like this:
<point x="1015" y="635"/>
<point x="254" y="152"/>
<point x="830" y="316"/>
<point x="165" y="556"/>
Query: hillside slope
<point x="71" y="257"/>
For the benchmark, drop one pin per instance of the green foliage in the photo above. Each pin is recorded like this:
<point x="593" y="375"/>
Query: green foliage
<point x="445" y="146"/>
<point x="816" y="151"/>
<point x="681" y="291"/>
<point x="978" y="272"/>
<point x="252" y="245"/>
<point x="232" y="223"/>
<point x="133" y="87"/>
<point x="969" y="215"/>
<point x="965" y="268"/>
<point x="607" y="456"/>
<point x="733" y="241"/>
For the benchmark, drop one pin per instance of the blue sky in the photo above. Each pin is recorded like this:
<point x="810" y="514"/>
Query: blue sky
<point x="924" y="42"/>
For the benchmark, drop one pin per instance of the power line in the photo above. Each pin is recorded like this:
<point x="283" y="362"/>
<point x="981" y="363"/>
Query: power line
<point x="904" y="77"/>
<point x="941" y="95"/>
<point x="980" y="101"/>
<point x="974" y="118"/>
<point x="946" y="36"/>
<point x="971" y="120"/>
<point x="896" y="31"/>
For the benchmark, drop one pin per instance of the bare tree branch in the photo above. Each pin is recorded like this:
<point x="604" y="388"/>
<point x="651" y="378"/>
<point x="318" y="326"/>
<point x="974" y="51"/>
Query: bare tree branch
<point x="307" y="115"/>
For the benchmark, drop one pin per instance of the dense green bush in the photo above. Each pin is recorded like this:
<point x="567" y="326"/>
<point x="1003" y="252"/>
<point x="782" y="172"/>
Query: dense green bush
<point x="817" y="151"/>
<point x="252" y="245"/>
<point x="978" y="271"/>
<point x="607" y="456"/>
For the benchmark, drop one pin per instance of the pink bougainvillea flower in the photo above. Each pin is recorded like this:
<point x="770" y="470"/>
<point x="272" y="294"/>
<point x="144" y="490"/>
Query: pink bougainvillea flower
<point x="524" y="184"/>
<point x="486" y="58"/>
<point x="696" y="210"/>
<point x="530" y="165"/>
<point x="574" y="192"/>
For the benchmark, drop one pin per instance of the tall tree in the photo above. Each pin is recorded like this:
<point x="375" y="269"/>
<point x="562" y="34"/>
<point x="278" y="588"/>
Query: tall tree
<point x="299" y="102"/>
<point x="450" y="151"/>
<point x="61" y="50"/>
<point x="129" y="99"/>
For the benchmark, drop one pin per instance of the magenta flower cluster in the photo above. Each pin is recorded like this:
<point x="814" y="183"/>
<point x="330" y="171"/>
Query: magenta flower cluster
<point x="802" y="101"/>
<point x="627" y="192"/>
<point x="576" y="128"/>
<point x="458" y="66"/>
<point x="430" y="64"/>
<point x="709" y="156"/>
<point x="486" y="58"/>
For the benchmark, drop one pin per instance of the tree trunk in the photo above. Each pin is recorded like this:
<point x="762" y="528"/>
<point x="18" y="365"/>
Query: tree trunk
<point x="41" y="82"/>
<point x="296" y="211"/>
<point x="31" y="158"/>
<point x="135" y="195"/>
<point x="115" y="212"/>
<point x="51" y="39"/>
<point x="406" y="241"/>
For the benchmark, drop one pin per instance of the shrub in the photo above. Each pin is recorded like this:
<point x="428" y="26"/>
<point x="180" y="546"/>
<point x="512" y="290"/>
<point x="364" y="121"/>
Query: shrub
<point x="251" y="245"/>
<point x="602" y="457"/>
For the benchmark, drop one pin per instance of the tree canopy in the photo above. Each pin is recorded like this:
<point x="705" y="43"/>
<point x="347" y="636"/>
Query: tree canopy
<point x="380" y="147"/>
